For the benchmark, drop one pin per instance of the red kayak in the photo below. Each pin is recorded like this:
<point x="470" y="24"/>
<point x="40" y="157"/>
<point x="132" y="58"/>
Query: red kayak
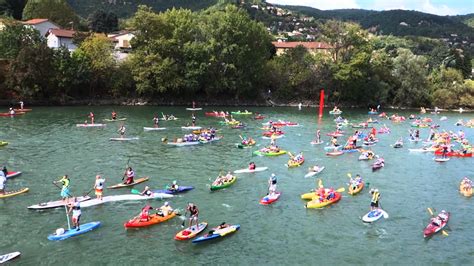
<point x="15" y="114"/>
<point x="284" y="124"/>
<point x="454" y="154"/>
<point x="432" y="229"/>
<point x="267" y="200"/>
<point x="22" y="110"/>
<point x="259" y="117"/>
<point x="270" y="133"/>
<point x="13" y="174"/>
<point x="215" y="114"/>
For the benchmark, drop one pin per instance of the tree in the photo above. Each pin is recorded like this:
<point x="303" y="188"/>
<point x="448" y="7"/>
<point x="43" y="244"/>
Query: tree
<point x="450" y="90"/>
<point x="14" y="37"/>
<point x="103" y="22"/>
<point x="12" y="8"/>
<point x="57" y="11"/>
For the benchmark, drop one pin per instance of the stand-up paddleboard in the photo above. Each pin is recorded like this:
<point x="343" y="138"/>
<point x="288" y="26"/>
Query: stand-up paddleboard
<point x="13" y="193"/>
<point x="257" y="169"/>
<point x="374" y="215"/>
<point x="9" y="256"/>
<point x="126" y="197"/>
<point x="191" y="128"/>
<point x="13" y="174"/>
<point x="90" y="125"/>
<point x="312" y="173"/>
<point x="22" y="110"/>
<point x="124" y="139"/>
<point x="441" y="160"/>
<point x="115" y="120"/>
<point x="194" y="109"/>
<point x="153" y="128"/>
<point x="314" y="142"/>
<point x="190" y="232"/>
<point x="56" y="204"/>
<point x="136" y="181"/>
<point x="186" y="143"/>
<point x="83" y="228"/>
<point x="267" y="200"/>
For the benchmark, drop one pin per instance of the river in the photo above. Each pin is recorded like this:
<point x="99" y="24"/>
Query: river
<point x="46" y="144"/>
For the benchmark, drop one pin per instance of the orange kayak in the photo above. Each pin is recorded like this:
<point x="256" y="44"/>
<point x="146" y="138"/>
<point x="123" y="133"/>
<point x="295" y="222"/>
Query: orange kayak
<point x="154" y="219"/>
<point x="357" y="190"/>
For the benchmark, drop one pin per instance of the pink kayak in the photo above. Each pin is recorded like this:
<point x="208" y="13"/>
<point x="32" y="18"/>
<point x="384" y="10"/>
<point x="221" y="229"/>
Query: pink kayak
<point x="267" y="200"/>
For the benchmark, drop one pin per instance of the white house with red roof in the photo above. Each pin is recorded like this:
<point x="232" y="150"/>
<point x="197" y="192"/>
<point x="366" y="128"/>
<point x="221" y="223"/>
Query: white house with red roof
<point x="312" y="47"/>
<point x="57" y="37"/>
<point x="41" y="24"/>
<point x="122" y="46"/>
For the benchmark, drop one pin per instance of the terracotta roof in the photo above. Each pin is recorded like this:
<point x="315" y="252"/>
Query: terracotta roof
<point x="62" y="33"/>
<point x="307" y="45"/>
<point x="35" y="21"/>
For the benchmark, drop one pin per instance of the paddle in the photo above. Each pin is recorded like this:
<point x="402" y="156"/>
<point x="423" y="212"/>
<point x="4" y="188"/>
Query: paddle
<point x="135" y="191"/>
<point x="432" y="215"/>
<point x="87" y="194"/>
<point x="67" y="218"/>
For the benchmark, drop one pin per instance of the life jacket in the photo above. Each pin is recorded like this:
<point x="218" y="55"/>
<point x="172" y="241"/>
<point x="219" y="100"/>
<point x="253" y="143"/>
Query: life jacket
<point x="375" y="197"/>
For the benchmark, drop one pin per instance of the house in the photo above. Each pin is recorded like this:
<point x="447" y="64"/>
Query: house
<point x="312" y="47"/>
<point x="122" y="44"/>
<point x="42" y="25"/>
<point x="57" y="37"/>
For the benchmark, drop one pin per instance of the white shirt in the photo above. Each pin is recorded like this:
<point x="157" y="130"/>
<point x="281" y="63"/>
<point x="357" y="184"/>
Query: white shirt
<point x="3" y="179"/>
<point x="99" y="183"/>
<point x="76" y="213"/>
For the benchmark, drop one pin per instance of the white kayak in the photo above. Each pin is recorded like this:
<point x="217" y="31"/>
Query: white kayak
<point x="275" y="137"/>
<point x="91" y="125"/>
<point x="422" y="150"/>
<point x="374" y="215"/>
<point x="94" y="202"/>
<point x="124" y="139"/>
<point x="9" y="256"/>
<point x="55" y="204"/>
<point x="312" y="173"/>
<point x="191" y="128"/>
<point x="153" y="128"/>
<point x="314" y="142"/>
<point x="194" y="109"/>
<point x="257" y="169"/>
<point x="441" y="159"/>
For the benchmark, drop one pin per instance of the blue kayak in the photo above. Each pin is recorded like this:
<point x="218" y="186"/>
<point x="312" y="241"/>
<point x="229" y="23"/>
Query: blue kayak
<point x="217" y="233"/>
<point x="167" y="191"/>
<point x="84" y="228"/>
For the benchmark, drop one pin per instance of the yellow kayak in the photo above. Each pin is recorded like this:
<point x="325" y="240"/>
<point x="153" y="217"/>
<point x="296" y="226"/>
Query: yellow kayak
<point x="3" y="143"/>
<point x="309" y="196"/>
<point x="13" y="193"/>
<point x="357" y="190"/>
<point x="293" y="163"/>
<point x="316" y="204"/>
<point x="465" y="193"/>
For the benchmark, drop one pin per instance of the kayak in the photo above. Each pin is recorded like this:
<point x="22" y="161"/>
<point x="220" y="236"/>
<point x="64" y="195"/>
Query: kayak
<point x="190" y="232"/>
<point x="357" y="190"/>
<point x="373" y="113"/>
<point x="55" y="204"/>
<point x="154" y="219"/>
<point x="274" y="137"/>
<point x="15" y="114"/>
<point x="335" y="112"/>
<point x="179" y="190"/>
<point x="214" y="114"/>
<point x="23" y="110"/>
<point x="115" y="120"/>
<point x="257" y="169"/>
<point x="432" y="229"/>
<point x="332" y="148"/>
<point x="378" y="164"/>
<point x="124" y="139"/>
<point x="3" y="143"/>
<point x="270" y="133"/>
<point x="374" y="215"/>
<point x="217" y="233"/>
<point x="84" y="228"/>
<point x="267" y="200"/>
<point x="136" y="181"/>
<point x="465" y="193"/>
<point x="125" y="197"/>
<point x="191" y="128"/>
<point x="194" y="109"/>
<point x="422" y="150"/>
<point x="370" y="143"/>
<point x="365" y="156"/>
<point x="241" y="113"/>
<point x="316" y="204"/>
<point x="12" y="193"/>
<point x="454" y="154"/>
<point x="292" y="163"/>
<point x="13" y="174"/>
<point x="225" y="184"/>
<point x="334" y="153"/>
<point x="270" y="153"/>
<point x="314" y="142"/>
<point x="248" y="145"/>
<point x="313" y="173"/>
<point x="153" y="128"/>
<point x="9" y="256"/>
<point x="259" y="117"/>
<point x="90" y="125"/>
<point x="168" y="119"/>
<point x="441" y="160"/>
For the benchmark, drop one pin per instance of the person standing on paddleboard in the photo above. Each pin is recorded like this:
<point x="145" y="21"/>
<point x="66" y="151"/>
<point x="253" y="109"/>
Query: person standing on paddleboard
<point x="3" y="180"/>
<point x="374" y="203"/>
<point x="114" y="115"/>
<point x="99" y="186"/>
<point x="75" y="207"/>
<point x="272" y="187"/>
<point x="193" y="216"/>
<point x="121" y="131"/>
<point x="91" y="116"/>
<point x="193" y="119"/>
<point x="65" y="189"/>
<point x="155" y="121"/>
<point x="21" y="105"/>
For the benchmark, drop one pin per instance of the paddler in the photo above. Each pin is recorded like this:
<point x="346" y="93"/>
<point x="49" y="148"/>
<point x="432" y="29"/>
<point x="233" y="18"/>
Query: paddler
<point x="174" y="186"/>
<point x="155" y="121"/>
<point x="355" y="181"/>
<point x="374" y="203"/>
<point x="114" y="115"/>
<point x="5" y="171"/>
<point x="99" y="186"/>
<point x="145" y="213"/>
<point x="146" y="191"/>
<point x="65" y="189"/>
<point x="91" y="116"/>
<point x="318" y="136"/>
<point x="272" y="188"/>
<point x="193" y="215"/>
<point x="193" y="120"/>
<point x="334" y="142"/>
<point x="75" y="207"/>
<point x="121" y="131"/>
<point x="252" y="166"/>
<point x="130" y="174"/>
<point x="21" y="105"/>
<point x="3" y="180"/>
<point x="11" y="111"/>
<point x="165" y="210"/>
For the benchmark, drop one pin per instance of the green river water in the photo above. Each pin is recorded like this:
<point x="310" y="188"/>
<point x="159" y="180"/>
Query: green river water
<point x="46" y="144"/>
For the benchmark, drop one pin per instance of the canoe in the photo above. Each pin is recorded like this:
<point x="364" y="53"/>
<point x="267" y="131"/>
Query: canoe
<point x="374" y="215"/>
<point x="115" y="120"/>
<point x="316" y="204"/>
<point x="454" y="154"/>
<point x="218" y="233"/>
<point x="125" y="197"/>
<point x="90" y="125"/>
<point x="357" y="190"/>
<point x="292" y="163"/>
<point x="13" y="174"/>
<point x="84" y="228"/>
<point x="465" y="193"/>
<point x="3" y="143"/>
<point x="225" y="184"/>
<point x="312" y="173"/>
<point x="191" y="128"/>
<point x="190" y="232"/>
<point x="335" y="112"/>
<point x="15" y="114"/>
<point x="136" y="181"/>
<point x="194" y="109"/>
<point x="179" y="190"/>
<point x="259" y="153"/>
<point x="441" y="160"/>
<point x="241" y="113"/>
<point x="13" y="193"/>
<point x="334" y="153"/>
<point x="257" y="169"/>
<point x="154" y="219"/>
<point x="55" y="204"/>
<point x="23" y="110"/>
<point x="124" y="139"/>
<point x="9" y="256"/>
<point x="432" y="229"/>
<point x="153" y="128"/>
<point x="267" y="200"/>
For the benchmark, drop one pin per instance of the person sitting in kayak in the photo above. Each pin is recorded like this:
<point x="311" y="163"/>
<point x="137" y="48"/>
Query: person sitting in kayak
<point x="370" y="155"/>
<point x="3" y="180"/>
<point x="334" y="142"/>
<point x="331" y="194"/>
<point x="65" y="188"/>
<point x="145" y="213"/>
<point x="229" y="176"/>
<point x="222" y="226"/>
<point x="91" y="116"/>
<point x="99" y="186"/>
<point x="443" y="215"/>
<point x="252" y="166"/>
<point x="146" y="192"/>
<point x="193" y="216"/>
<point x="355" y="182"/>
<point x="121" y="131"/>
<point x="374" y="203"/>
<point x="298" y="157"/>
<point x="130" y="174"/>
<point x="75" y="207"/>
<point x="174" y="186"/>
<point x="165" y="210"/>
<point x="114" y="115"/>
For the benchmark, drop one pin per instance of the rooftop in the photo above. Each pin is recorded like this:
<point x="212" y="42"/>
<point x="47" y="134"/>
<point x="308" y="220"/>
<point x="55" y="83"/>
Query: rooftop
<point x="307" y="45"/>
<point x="35" y="21"/>
<point x="62" y="33"/>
